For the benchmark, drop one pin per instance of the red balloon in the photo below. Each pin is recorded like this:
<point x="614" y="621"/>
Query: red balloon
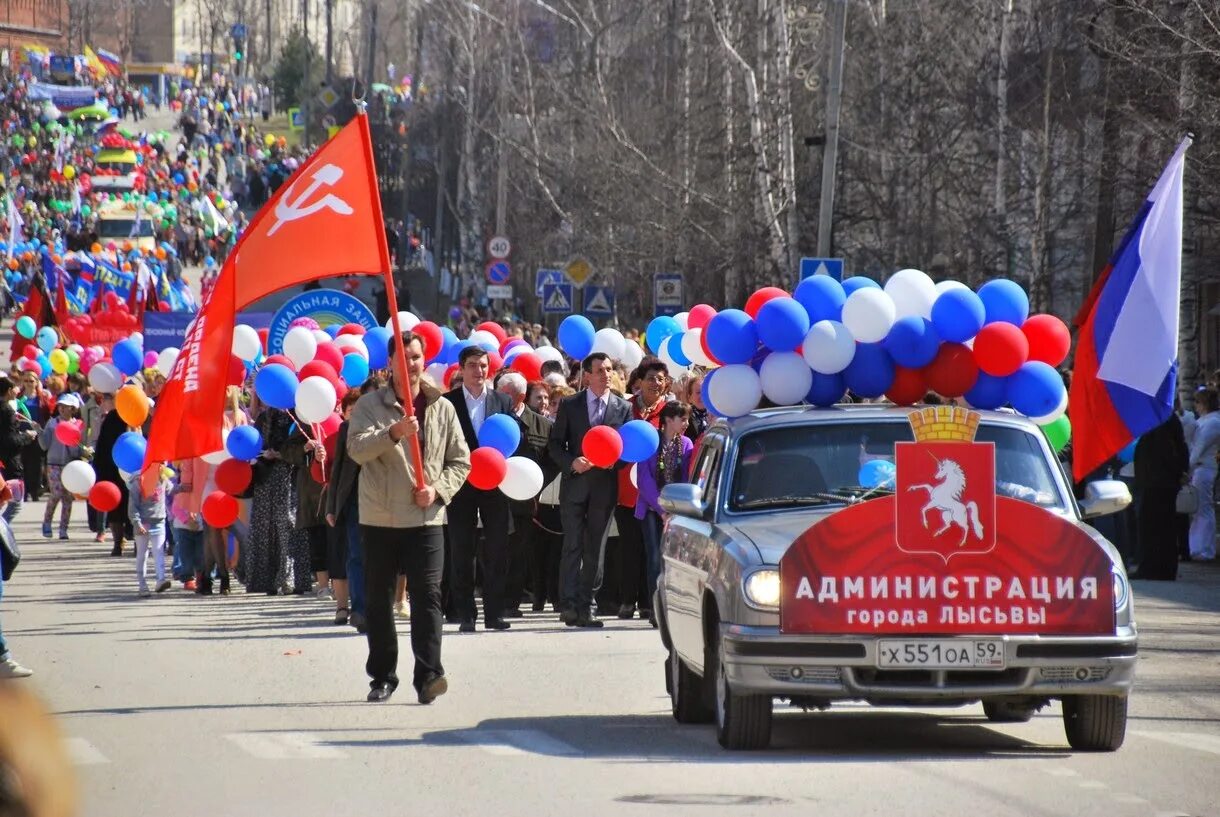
<point x="494" y="363"/>
<point x="219" y="509"/>
<point x="105" y="496"/>
<point x="163" y="306"/>
<point x="329" y="353"/>
<point x="68" y="433"/>
<point x="319" y="368"/>
<point x="529" y="365"/>
<point x="495" y="328"/>
<point x="31" y="351"/>
<point x="263" y="334"/>
<point x="352" y="329"/>
<point x="706" y="350"/>
<point x="450" y="372"/>
<point x="237" y="371"/>
<point x="282" y="360"/>
<point x="488" y="467"/>
<point x="1000" y="349"/>
<point x="316" y="473"/>
<point x="330" y="425"/>
<point x="602" y="446"/>
<point x="233" y="476"/>
<point x="908" y="387"/>
<point x="756" y="301"/>
<point x="700" y="314"/>
<point x="953" y="371"/>
<point x="1049" y="339"/>
<point x="433" y="339"/>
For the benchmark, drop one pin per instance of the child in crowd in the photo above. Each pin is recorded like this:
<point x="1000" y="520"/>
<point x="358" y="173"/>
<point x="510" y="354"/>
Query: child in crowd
<point x="59" y="455"/>
<point x="146" y="507"/>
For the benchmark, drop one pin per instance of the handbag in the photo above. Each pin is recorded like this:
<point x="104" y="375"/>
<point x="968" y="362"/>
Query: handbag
<point x="1187" y="501"/>
<point x="10" y="554"/>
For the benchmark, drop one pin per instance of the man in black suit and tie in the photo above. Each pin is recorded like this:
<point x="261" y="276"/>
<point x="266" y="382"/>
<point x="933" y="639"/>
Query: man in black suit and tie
<point x="475" y="401"/>
<point x="587" y="494"/>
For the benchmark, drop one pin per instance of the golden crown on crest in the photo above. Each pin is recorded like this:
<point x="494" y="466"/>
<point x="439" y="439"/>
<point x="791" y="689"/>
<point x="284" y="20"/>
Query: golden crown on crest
<point x="944" y="424"/>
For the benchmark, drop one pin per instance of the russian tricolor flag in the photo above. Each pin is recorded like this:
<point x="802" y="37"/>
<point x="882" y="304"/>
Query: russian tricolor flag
<point x="1126" y="370"/>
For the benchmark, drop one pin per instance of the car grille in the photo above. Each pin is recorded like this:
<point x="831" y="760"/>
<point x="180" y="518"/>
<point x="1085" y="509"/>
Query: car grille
<point x="948" y="679"/>
<point x="805" y="675"/>
<point x="1065" y="675"/>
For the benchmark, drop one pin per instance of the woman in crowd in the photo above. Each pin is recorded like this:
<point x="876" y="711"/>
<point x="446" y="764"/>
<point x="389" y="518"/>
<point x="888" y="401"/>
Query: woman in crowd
<point x="112" y="428"/>
<point x="1203" y="475"/>
<point x="343" y="518"/>
<point x="692" y="395"/>
<point x="59" y="455"/>
<point x="307" y="455"/>
<point x="35" y="403"/>
<point x="16" y="431"/>
<point x="669" y="465"/>
<point x="1161" y="462"/>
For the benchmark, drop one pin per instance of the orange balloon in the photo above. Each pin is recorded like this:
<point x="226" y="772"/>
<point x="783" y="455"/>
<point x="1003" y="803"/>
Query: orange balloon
<point x="126" y="266"/>
<point x="132" y="405"/>
<point x="57" y="258"/>
<point x="160" y="253"/>
<point x="96" y="247"/>
<point x="126" y="246"/>
<point x="12" y="263"/>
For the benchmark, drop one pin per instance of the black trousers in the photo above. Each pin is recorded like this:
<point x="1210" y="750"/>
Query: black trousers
<point x="585" y="526"/>
<point x="631" y="559"/>
<point x="548" y="545"/>
<point x="467" y="508"/>
<point x="520" y="559"/>
<point x="419" y="554"/>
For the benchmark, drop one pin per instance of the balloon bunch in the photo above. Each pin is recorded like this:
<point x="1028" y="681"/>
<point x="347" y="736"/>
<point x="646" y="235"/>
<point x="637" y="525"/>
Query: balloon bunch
<point x="579" y="339"/>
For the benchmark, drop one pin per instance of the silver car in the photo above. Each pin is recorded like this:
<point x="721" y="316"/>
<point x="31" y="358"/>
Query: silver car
<point x="718" y="596"/>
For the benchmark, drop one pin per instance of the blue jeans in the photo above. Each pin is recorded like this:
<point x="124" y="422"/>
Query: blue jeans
<point x="188" y="553"/>
<point x="651" y="525"/>
<point x="355" y="553"/>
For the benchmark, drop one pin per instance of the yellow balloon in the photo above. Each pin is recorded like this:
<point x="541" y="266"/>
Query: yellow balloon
<point x="69" y="172"/>
<point x="59" y="361"/>
<point x="269" y="139"/>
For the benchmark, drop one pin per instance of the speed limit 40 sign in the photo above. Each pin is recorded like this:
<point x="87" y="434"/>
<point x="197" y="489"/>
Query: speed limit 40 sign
<point x="499" y="247"/>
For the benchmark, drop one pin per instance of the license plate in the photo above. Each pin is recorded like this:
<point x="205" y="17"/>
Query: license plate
<point x="941" y="654"/>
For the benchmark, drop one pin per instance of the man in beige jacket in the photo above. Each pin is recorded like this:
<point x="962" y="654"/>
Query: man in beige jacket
<point x="400" y="522"/>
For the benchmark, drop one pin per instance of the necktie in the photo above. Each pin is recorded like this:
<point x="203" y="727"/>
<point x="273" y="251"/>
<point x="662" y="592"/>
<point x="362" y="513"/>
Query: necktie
<point x="598" y="410"/>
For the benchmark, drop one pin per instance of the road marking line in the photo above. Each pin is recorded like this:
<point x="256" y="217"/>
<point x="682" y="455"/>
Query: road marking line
<point x="1133" y="799"/>
<point x="1059" y="771"/>
<point x="260" y="746"/>
<point x="506" y="742"/>
<point x="310" y="746"/>
<point x="284" y="746"/>
<point x="84" y="753"/>
<point x="1092" y="784"/>
<point x="1195" y="741"/>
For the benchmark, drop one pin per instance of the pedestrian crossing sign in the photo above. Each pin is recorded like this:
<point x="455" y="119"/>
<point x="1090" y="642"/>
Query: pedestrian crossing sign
<point x="557" y="299"/>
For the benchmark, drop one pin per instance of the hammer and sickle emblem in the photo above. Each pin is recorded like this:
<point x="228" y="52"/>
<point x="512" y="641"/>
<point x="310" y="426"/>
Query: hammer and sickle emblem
<point x="288" y="209"/>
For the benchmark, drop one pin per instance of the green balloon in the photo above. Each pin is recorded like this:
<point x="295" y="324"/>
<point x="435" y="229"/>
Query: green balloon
<point x="1058" y="433"/>
<point x="85" y="210"/>
<point x="73" y="362"/>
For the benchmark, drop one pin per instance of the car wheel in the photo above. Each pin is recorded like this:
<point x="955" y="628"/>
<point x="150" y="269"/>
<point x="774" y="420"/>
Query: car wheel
<point x="742" y="721"/>
<point x="1004" y="712"/>
<point x="1095" y="723"/>
<point x="685" y="691"/>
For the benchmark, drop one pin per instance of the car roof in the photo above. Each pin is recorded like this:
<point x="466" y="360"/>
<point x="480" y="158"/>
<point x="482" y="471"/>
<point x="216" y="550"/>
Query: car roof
<point x="868" y="412"/>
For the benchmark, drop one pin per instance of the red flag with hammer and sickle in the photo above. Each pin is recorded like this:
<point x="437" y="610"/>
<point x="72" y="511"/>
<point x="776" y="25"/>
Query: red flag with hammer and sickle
<point x="324" y="221"/>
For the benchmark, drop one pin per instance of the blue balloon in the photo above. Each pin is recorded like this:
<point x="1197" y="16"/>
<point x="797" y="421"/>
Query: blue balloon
<point x="640" y="440"/>
<point x="703" y="392"/>
<point x="731" y="336"/>
<point x="276" y="385"/>
<point x="674" y="349"/>
<point x="958" y="314"/>
<point x="455" y="351"/>
<point x="782" y="324"/>
<point x="1035" y="389"/>
<point x="128" y="452"/>
<point x="355" y="369"/>
<point x="446" y="354"/>
<point x="858" y="282"/>
<point x="47" y="339"/>
<point x="244" y="443"/>
<point x="877" y="473"/>
<point x="822" y="297"/>
<point x="912" y="342"/>
<point x="1127" y="454"/>
<point x="989" y="392"/>
<point x="377" y="341"/>
<point x="332" y="330"/>
<point x="827" y="389"/>
<point x="576" y="336"/>
<point x="1005" y="301"/>
<point x="659" y="328"/>
<point x="179" y="178"/>
<point x="501" y="432"/>
<point x="128" y="356"/>
<point x="44" y="364"/>
<point x="871" y="371"/>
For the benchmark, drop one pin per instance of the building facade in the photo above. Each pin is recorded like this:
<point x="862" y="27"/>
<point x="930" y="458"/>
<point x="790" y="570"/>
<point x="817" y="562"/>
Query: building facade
<point x="33" y="22"/>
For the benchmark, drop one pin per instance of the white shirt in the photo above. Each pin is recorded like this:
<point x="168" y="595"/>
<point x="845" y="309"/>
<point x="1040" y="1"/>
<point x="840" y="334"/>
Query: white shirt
<point x="476" y="407"/>
<point x="1206" y="442"/>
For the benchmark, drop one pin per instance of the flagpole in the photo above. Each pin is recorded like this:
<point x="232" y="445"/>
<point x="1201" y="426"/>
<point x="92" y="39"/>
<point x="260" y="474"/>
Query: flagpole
<point x="400" y="353"/>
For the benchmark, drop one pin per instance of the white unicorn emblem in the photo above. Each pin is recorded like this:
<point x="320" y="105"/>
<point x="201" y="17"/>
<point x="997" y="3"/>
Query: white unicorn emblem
<point x="946" y="497"/>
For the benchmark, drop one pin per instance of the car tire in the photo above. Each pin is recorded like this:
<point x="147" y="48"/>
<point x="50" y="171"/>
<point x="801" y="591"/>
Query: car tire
<point x="685" y="690"/>
<point x="1004" y="712"/>
<point x="743" y="722"/>
<point x="1095" y="723"/>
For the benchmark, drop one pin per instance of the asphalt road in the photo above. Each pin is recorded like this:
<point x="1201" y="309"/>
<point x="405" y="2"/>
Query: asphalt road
<point x="187" y="705"/>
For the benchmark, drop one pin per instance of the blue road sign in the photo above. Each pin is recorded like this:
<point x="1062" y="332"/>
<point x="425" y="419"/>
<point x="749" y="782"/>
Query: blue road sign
<point x="667" y="297"/>
<point x="821" y="266"/>
<point x="599" y="301"/>
<point x="238" y="31"/>
<point x="557" y="298"/>
<point x="547" y="276"/>
<point x="498" y="272"/>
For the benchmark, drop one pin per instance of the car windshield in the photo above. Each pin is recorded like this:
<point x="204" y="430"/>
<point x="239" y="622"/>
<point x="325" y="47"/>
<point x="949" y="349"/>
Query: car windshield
<point x="839" y="463"/>
<point x="125" y="228"/>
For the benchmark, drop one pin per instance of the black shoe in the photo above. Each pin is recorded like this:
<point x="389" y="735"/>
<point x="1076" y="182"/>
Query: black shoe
<point x="645" y="613"/>
<point x="359" y="622"/>
<point x="539" y="606"/>
<point x="433" y="689"/>
<point x="117" y="550"/>
<point x="568" y="617"/>
<point x="452" y="619"/>
<point x="224" y="585"/>
<point x="496" y="624"/>
<point x="380" y="693"/>
<point x="627" y="611"/>
<point x="513" y="612"/>
<point x="204" y="588"/>
<point x="467" y="626"/>
<point x="588" y="622"/>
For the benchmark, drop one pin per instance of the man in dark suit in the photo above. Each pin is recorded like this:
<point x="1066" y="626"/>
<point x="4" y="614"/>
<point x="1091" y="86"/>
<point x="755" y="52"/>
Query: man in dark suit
<point x="587" y="494"/>
<point x="475" y="401"/>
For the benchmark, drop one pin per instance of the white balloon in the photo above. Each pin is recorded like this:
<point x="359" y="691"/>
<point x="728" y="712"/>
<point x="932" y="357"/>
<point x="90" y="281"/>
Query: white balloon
<point x="138" y="337"/>
<point x="633" y="475"/>
<point x="484" y="339"/>
<point x="609" y="341"/>
<point x="868" y="314"/>
<point x="78" y="477"/>
<point x="512" y="353"/>
<point x="352" y="343"/>
<point x="105" y="378"/>
<point x="300" y="346"/>
<point x="315" y="399"/>
<point x="632" y="353"/>
<point x="217" y="457"/>
<point x="76" y="347"/>
<point x="945" y="286"/>
<point x="321" y="337"/>
<point x="692" y="347"/>
<point x="829" y="347"/>
<point x="785" y="377"/>
<point x="406" y="321"/>
<point x="913" y="293"/>
<point x="675" y="369"/>
<point x="246" y="343"/>
<point x="683" y="319"/>
<point x="1060" y="410"/>
<point x="735" y="390"/>
<point x="549" y="353"/>
<point x="522" y="480"/>
<point x="167" y="359"/>
<point x="436" y="371"/>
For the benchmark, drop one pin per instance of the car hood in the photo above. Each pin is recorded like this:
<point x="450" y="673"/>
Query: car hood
<point x="772" y="534"/>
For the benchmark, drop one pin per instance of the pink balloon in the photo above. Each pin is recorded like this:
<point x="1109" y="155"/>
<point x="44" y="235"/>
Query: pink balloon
<point x="699" y="316"/>
<point x="330" y="353"/>
<point x="30" y="352"/>
<point x="150" y="360"/>
<point x="30" y="366"/>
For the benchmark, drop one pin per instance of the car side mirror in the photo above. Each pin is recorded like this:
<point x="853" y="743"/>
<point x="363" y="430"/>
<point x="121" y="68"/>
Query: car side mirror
<point x="683" y="499"/>
<point x="1104" y="497"/>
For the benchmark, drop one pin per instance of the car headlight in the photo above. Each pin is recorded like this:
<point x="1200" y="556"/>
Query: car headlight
<point x="1121" y="589"/>
<point x="762" y="588"/>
